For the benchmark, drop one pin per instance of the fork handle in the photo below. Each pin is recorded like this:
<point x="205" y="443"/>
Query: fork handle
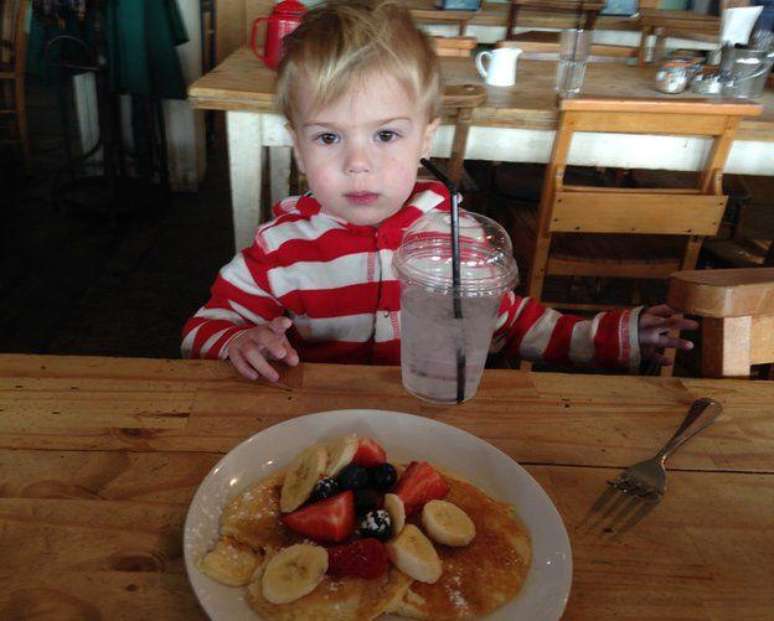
<point x="701" y="415"/>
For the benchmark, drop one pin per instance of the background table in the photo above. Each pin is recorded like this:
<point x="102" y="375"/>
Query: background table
<point x="100" y="458"/>
<point x="515" y="124"/>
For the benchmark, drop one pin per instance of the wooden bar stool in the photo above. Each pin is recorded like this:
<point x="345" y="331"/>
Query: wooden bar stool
<point x="459" y="101"/>
<point x="587" y="11"/>
<point x="737" y="311"/>
<point x="13" y="60"/>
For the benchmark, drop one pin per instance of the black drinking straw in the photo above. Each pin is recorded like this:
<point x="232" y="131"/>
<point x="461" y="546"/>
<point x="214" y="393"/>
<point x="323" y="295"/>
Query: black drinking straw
<point x="456" y="289"/>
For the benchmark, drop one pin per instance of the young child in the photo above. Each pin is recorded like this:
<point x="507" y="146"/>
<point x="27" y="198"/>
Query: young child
<point x="360" y="87"/>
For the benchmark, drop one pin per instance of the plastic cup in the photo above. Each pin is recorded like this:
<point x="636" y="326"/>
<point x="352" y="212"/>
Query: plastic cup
<point x="432" y="339"/>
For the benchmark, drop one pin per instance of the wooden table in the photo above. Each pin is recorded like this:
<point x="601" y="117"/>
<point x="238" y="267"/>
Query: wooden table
<point x="100" y="458"/>
<point x="516" y="124"/>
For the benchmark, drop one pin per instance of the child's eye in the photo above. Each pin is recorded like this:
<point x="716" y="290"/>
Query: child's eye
<point x="327" y="138"/>
<point x="387" y="135"/>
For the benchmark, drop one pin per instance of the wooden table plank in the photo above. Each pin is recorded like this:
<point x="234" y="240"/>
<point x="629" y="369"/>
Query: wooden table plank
<point x="536" y="418"/>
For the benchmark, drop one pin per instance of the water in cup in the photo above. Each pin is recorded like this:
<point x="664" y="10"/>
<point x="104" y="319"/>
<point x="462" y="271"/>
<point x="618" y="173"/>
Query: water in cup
<point x="432" y="339"/>
<point x="431" y="336"/>
<point x="569" y="77"/>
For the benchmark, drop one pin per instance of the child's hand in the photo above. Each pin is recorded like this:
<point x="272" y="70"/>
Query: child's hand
<point x="656" y="323"/>
<point x="251" y="350"/>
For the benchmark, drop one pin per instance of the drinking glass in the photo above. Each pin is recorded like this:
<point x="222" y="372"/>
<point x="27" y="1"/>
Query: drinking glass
<point x="434" y="339"/>
<point x="574" y="47"/>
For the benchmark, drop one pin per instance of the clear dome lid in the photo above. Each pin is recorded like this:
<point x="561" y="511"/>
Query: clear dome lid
<point x="487" y="266"/>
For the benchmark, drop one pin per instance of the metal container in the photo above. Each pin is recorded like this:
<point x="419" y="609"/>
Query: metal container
<point x="707" y="84"/>
<point x="745" y="72"/>
<point x="674" y="75"/>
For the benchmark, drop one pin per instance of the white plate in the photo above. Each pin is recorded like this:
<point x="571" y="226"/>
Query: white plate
<point x="405" y="437"/>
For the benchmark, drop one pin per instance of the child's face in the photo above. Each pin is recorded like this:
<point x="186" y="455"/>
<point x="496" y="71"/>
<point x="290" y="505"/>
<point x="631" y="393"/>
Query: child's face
<point x="361" y="153"/>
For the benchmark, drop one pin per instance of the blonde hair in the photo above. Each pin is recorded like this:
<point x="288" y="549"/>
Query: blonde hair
<point x="342" y="42"/>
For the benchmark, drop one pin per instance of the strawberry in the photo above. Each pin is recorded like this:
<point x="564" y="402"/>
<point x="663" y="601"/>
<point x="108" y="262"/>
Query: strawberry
<point x="364" y="558"/>
<point x="369" y="454"/>
<point x="419" y="484"/>
<point x="330" y="520"/>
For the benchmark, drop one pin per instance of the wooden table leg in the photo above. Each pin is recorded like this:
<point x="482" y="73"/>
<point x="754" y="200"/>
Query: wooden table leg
<point x="644" y="36"/>
<point x="591" y="19"/>
<point x="513" y="15"/>
<point x="245" y="147"/>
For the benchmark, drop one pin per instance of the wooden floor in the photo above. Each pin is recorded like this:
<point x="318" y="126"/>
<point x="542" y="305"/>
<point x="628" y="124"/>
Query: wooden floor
<point x="86" y="283"/>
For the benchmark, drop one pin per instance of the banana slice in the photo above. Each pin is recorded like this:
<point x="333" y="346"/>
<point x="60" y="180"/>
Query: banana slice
<point x="446" y="523"/>
<point x="302" y="474"/>
<point x="394" y="506"/>
<point x="414" y="555"/>
<point x="294" y="572"/>
<point x="341" y="451"/>
<point x="229" y="563"/>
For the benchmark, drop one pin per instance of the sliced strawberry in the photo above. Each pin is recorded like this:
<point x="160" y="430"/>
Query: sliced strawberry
<point x="364" y="558"/>
<point x="419" y="484"/>
<point x="330" y="520"/>
<point x="369" y="454"/>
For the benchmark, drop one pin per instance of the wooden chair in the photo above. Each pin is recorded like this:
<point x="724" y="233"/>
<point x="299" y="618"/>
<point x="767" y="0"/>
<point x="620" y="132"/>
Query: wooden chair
<point x="737" y="311"/>
<point x="586" y="11"/>
<point x="636" y="233"/>
<point x="13" y="60"/>
<point x="458" y="103"/>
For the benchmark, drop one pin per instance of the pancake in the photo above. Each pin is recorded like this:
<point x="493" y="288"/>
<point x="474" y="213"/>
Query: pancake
<point x="253" y="519"/>
<point x="344" y="599"/>
<point x="477" y="578"/>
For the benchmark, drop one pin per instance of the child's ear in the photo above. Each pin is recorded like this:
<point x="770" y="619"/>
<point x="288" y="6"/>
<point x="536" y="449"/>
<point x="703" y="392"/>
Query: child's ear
<point x="427" y="139"/>
<point x="296" y="150"/>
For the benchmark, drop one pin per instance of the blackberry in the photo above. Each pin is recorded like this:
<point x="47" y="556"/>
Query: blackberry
<point x="352" y="477"/>
<point x="366" y="500"/>
<point x="324" y="488"/>
<point x="383" y="477"/>
<point x="376" y="524"/>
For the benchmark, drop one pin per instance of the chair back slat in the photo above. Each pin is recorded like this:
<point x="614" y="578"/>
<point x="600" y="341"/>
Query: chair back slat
<point x="625" y="212"/>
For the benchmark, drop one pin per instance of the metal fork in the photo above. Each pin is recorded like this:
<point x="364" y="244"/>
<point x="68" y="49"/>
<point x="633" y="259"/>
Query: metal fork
<point x="647" y="479"/>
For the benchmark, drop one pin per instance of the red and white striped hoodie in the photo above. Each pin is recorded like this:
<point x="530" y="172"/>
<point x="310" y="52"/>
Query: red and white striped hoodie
<point x="335" y="281"/>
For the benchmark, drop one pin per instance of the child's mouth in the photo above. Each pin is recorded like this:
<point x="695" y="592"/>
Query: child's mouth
<point x="362" y="198"/>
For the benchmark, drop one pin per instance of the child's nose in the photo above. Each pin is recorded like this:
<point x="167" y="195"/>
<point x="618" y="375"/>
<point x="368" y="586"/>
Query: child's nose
<point x="357" y="160"/>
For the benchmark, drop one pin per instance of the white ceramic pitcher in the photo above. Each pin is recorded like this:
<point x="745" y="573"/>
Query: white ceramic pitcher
<point x="498" y="67"/>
